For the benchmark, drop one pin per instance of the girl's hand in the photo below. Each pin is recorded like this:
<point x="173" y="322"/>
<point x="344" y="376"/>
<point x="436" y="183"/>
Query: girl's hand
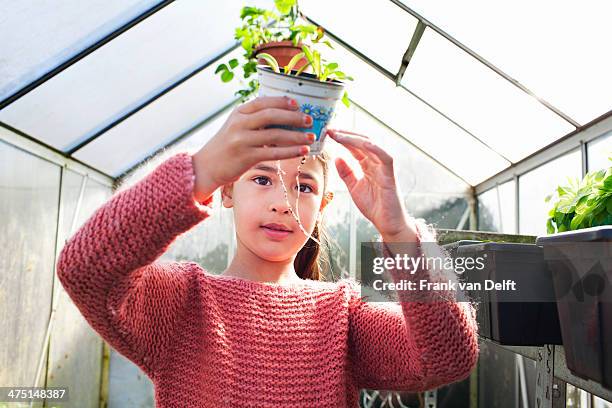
<point x="375" y="194"/>
<point x="244" y="141"/>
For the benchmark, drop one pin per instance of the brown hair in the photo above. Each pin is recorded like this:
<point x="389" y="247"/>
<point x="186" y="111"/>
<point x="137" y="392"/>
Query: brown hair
<point x="309" y="260"/>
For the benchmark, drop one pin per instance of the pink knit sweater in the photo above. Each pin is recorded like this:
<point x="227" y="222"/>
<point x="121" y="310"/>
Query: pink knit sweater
<point x="217" y="341"/>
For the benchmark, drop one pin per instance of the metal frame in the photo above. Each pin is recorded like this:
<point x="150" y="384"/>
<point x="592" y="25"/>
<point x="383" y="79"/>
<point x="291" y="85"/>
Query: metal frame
<point x="32" y="146"/>
<point x="586" y="134"/>
<point x="554" y="149"/>
<point x="409" y="141"/>
<point x="152" y="99"/>
<point x="397" y="77"/>
<point x="414" y="42"/>
<point x="82" y="54"/>
<point x="579" y="140"/>
<point x="119" y="179"/>
<point x="553" y="364"/>
<point x="55" y="287"/>
<point x="485" y="62"/>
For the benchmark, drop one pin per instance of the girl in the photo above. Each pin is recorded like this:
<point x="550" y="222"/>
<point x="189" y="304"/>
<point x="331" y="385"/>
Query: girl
<point x="266" y="332"/>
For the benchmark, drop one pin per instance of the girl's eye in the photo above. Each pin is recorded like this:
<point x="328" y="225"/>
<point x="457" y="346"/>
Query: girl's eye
<point x="267" y="179"/>
<point x="259" y="178"/>
<point x="306" y="185"/>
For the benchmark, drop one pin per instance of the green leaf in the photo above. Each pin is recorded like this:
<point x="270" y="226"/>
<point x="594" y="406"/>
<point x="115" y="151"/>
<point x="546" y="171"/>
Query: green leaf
<point x="296" y="58"/>
<point x="249" y="11"/>
<point x="326" y="42"/>
<point x="599" y="219"/>
<point x="550" y="229"/>
<point x="345" y="100"/>
<point x="233" y="63"/>
<point x="316" y="66"/>
<point x="576" y="221"/>
<point x="284" y="6"/>
<point x="270" y="60"/>
<point x="299" y="72"/>
<point x="247" y="43"/>
<point x="308" y="53"/>
<point x="220" y="68"/>
<point x="227" y="76"/>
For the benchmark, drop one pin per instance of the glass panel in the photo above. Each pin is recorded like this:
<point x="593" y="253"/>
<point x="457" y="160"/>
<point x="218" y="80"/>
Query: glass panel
<point x="428" y="189"/>
<point x="158" y="124"/>
<point x="336" y="222"/>
<point x="128" y="386"/>
<point x="419" y="123"/>
<point x="535" y="185"/>
<point x="74" y="351"/>
<point x="497" y="377"/>
<point x="601" y="403"/>
<point x="497" y="209"/>
<point x="598" y="151"/>
<point x="39" y="36"/>
<point x="202" y="135"/>
<point x="29" y="187"/>
<point x="209" y="242"/>
<point x="125" y="72"/>
<point x="491" y="108"/>
<point x="539" y="54"/>
<point x="382" y="32"/>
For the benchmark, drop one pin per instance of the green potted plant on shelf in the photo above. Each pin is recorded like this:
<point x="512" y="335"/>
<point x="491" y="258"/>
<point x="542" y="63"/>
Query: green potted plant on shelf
<point x="276" y="32"/>
<point x="582" y="204"/>
<point x="578" y="251"/>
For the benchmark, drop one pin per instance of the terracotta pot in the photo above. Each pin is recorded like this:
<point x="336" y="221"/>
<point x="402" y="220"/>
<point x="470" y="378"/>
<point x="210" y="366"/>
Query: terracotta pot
<point x="283" y="51"/>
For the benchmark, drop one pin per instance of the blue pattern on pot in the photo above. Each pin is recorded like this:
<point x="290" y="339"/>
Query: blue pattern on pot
<point x="320" y="118"/>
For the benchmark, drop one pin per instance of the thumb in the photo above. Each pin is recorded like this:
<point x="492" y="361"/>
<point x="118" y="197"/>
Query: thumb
<point x="346" y="173"/>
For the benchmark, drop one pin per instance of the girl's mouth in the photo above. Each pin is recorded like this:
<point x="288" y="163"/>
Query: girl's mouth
<point x="274" y="233"/>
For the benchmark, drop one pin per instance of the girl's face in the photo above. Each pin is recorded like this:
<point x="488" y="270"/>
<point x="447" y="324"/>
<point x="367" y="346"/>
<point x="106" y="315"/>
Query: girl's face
<point x="258" y="200"/>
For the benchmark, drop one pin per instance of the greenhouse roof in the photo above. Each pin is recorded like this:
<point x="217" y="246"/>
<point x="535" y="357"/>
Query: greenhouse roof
<point x="476" y="86"/>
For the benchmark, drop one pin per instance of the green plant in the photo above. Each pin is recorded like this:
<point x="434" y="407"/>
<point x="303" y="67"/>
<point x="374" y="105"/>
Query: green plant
<point x="260" y="26"/>
<point x="582" y="204"/>
<point x="323" y="71"/>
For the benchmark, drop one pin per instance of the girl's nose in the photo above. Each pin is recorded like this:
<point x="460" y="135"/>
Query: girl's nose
<point x="279" y="202"/>
<point x="280" y="207"/>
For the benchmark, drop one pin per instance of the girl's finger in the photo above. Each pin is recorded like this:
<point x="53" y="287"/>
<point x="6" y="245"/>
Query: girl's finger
<point x="346" y="173"/>
<point x="356" y="142"/>
<point x="265" y="102"/>
<point x="382" y="155"/>
<point x="340" y="131"/>
<point x="279" y="137"/>
<point x="357" y="154"/>
<point x="279" y="153"/>
<point x="274" y="116"/>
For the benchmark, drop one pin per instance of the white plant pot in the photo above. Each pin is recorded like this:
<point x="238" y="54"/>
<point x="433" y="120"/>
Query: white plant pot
<point x="315" y="98"/>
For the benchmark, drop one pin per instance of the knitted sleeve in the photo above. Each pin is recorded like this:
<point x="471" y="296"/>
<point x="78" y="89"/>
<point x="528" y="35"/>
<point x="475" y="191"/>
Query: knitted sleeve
<point x="417" y="343"/>
<point x="107" y="267"/>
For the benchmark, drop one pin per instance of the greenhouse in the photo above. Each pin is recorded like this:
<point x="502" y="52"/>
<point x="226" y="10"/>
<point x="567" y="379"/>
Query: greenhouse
<point x="481" y="131"/>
